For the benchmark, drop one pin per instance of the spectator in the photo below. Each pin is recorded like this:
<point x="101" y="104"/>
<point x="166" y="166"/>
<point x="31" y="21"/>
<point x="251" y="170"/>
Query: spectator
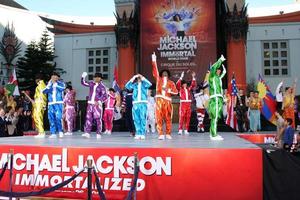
<point x="21" y="121"/>
<point x="3" y="127"/>
<point x="288" y="136"/>
<point x="11" y="121"/>
<point x="10" y="101"/>
<point x="255" y="103"/>
<point x="280" y="123"/>
<point x="2" y="98"/>
<point x="241" y="109"/>
<point x="27" y="108"/>
<point x="127" y="110"/>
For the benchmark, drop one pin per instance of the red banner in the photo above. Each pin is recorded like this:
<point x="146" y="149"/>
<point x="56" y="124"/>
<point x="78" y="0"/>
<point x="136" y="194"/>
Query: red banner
<point x="182" y="33"/>
<point x="164" y="173"/>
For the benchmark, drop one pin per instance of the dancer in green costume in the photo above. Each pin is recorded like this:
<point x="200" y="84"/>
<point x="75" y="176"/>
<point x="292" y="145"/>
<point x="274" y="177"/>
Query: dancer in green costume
<point x="216" y="96"/>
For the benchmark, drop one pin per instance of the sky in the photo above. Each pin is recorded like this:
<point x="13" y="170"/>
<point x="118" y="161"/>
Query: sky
<point x="105" y="8"/>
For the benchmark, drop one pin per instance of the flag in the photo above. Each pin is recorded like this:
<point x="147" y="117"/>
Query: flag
<point x="231" y="119"/>
<point x="12" y="85"/>
<point x="115" y="84"/>
<point x="269" y="103"/>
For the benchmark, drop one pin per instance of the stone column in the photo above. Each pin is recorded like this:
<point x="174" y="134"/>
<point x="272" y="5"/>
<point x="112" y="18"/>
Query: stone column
<point x="126" y="37"/>
<point x="236" y="24"/>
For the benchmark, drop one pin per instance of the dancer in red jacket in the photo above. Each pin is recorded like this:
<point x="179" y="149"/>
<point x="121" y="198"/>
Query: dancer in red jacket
<point x="185" y="102"/>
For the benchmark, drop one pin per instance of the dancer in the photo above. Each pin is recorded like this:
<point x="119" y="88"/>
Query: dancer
<point x="69" y="111"/>
<point x="216" y="97"/>
<point x="108" y="116"/>
<point x="164" y="109"/>
<point x="39" y="106"/>
<point x="97" y="95"/>
<point x="185" y="103"/>
<point x="289" y="103"/>
<point x="140" y="85"/>
<point x="150" y="113"/>
<point x="55" y="89"/>
<point x="127" y="110"/>
<point x="202" y="99"/>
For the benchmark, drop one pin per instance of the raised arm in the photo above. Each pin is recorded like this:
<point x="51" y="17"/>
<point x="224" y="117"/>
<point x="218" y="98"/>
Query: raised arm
<point x="294" y="86"/>
<point x="129" y="85"/>
<point x="83" y="81"/>
<point x="173" y="89"/>
<point x="28" y="97"/>
<point x="216" y="65"/>
<point x="277" y="92"/>
<point x="224" y="72"/>
<point x="154" y="67"/>
<point x="178" y="83"/>
<point x="49" y="86"/>
<point x="193" y="84"/>
<point x="146" y="82"/>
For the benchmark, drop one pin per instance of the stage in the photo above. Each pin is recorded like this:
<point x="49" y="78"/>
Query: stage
<point x="124" y="140"/>
<point x="186" y="167"/>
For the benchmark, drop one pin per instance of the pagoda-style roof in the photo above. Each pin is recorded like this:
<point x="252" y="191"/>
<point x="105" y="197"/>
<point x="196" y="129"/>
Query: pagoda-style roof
<point x="280" y="18"/>
<point x="60" y="27"/>
<point x="12" y="4"/>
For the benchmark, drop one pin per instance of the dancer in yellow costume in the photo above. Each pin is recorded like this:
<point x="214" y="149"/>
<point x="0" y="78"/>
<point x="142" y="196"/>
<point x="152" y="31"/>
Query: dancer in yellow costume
<point x="288" y="104"/>
<point x="39" y="104"/>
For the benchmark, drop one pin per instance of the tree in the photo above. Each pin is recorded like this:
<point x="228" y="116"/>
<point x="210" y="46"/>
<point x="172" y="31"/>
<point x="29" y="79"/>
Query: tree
<point x="28" y="66"/>
<point x="38" y="59"/>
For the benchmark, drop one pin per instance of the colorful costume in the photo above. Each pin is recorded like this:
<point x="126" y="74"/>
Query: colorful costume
<point x="255" y="104"/>
<point x="39" y="105"/>
<point x="185" y="104"/>
<point x="97" y="95"/>
<point x="55" y="105"/>
<point x="151" y="114"/>
<point x="70" y="112"/>
<point x="139" y="109"/>
<point x="108" y="116"/>
<point x="289" y="108"/>
<point x="164" y="109"/>
<point x="201" y="104"/>
<point x="215" y="97"/>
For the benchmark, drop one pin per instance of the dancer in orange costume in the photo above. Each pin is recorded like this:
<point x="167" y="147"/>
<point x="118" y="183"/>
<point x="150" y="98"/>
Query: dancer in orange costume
<point x="289" y="103"/>
<point x="165" y="88"/>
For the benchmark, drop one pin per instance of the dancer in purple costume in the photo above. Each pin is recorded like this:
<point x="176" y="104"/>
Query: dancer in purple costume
<point x="69" y="112"/>
<point x="97" y="96"/>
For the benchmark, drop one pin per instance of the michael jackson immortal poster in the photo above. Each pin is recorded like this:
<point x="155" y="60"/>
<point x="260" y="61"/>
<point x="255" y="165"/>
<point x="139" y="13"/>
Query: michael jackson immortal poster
<point x="182" y="33"/>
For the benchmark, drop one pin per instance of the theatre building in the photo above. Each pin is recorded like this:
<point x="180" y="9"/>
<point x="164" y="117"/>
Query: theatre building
<point x="260" y="41"/>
